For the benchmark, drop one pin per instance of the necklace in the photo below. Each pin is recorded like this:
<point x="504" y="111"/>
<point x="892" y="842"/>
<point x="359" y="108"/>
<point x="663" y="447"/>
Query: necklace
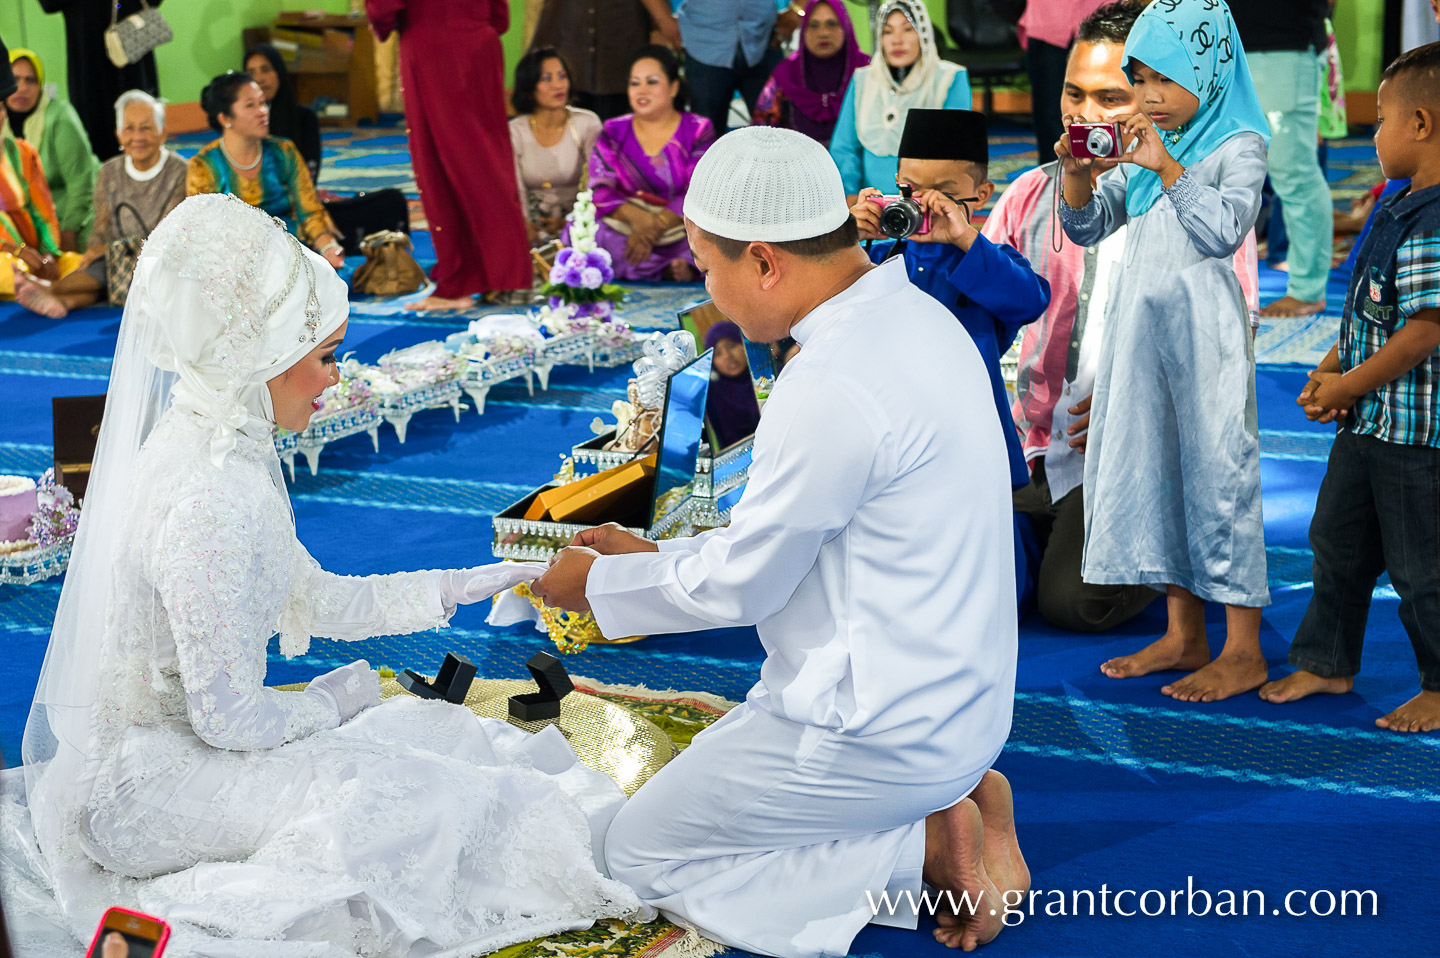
<point x="236" y="163"/>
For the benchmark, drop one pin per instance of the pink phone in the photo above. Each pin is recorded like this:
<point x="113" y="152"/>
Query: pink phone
<point x="129" y="934"/>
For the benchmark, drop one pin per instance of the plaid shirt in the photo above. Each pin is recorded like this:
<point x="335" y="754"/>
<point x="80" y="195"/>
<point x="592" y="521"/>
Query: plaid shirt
<point x="1402" y="411"/>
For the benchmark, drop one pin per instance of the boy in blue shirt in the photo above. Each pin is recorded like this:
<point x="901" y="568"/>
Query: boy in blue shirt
<point x="991" y="289"/>
<point x="1379" y="505"/>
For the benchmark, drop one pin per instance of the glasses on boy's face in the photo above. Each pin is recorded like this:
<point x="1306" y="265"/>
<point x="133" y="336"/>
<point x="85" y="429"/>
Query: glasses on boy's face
<point x="967" y="203"/>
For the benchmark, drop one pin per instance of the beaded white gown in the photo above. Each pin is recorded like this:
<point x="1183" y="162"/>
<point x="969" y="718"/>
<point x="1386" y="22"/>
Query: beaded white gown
<point x="251" y="818"/>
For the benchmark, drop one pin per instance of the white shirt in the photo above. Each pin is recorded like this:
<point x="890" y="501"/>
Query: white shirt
<point x="1064" y="465"/>
<point x="873" y="547"/>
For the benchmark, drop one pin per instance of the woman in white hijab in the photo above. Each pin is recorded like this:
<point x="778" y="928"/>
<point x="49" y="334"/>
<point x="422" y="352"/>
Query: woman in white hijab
<point x="162" y="775"/>
<point x="905" y="73"/>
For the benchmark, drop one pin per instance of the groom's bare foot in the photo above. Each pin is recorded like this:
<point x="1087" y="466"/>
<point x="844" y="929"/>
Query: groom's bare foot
<point x="1299" y="685"/>
<point x="955" y="868"/>
<point x="1171" y="651"/>
<point x="1420" y="714"/>
<point x="1230" y="674"/>
<point x="1003" y="861"/>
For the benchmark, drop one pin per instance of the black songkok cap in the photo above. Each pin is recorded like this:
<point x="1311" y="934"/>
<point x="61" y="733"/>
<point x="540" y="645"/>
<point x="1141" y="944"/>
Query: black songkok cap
<point x="945" y="135"/>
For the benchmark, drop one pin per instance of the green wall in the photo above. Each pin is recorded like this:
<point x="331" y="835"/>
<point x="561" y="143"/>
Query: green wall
<point x="207" y="36"/>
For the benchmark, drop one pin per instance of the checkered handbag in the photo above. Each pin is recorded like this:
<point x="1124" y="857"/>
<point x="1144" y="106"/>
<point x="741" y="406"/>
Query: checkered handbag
<point x="130" y="39"/>
<point x="121" y="256"/>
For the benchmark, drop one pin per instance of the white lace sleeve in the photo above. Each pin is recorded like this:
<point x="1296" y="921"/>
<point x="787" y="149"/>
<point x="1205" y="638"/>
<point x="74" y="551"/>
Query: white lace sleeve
<point x="350" y="607"/>
<point x="205" y="574"/>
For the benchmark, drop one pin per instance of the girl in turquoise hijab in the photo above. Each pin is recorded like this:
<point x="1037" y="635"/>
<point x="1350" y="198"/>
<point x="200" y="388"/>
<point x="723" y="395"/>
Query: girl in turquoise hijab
<point x="1172" y="460"/>
<point x="1192" y="43"/>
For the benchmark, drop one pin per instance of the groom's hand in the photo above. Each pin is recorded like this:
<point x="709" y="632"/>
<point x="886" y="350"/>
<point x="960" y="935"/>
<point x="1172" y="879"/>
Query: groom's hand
<point x="613" y="539"/>
<point x="563" y="585"/>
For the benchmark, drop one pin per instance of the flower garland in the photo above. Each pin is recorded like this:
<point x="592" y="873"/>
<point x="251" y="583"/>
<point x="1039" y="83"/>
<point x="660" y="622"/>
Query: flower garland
<point x="56" y="518"/>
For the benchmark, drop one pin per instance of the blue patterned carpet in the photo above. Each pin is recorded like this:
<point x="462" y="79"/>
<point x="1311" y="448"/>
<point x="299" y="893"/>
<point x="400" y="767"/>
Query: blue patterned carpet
<point x="1115" y="785"/>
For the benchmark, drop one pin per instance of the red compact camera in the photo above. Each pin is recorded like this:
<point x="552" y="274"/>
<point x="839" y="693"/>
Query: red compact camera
<point x="1100" y="141"/>
<point x="129" y="934"/>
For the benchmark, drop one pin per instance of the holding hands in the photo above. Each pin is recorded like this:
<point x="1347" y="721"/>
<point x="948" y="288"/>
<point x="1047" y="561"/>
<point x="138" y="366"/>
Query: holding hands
<point x="563" y="584"/>
<point x="1325" y="398"/>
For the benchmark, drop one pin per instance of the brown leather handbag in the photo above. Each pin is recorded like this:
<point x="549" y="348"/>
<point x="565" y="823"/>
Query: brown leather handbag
<point x="389" y="268"/>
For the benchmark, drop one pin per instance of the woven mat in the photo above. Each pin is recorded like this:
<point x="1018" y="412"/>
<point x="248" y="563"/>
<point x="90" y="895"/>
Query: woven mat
<point x="680" y="716"/>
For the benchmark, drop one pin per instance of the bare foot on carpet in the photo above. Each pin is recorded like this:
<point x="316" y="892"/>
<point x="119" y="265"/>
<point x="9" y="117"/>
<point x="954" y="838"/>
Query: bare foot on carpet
<point x="1003" y="861"/>
<point x="1301" y="684"/>
<point x="1420" y="714"/>
<point x="1230" y="674"/>
<point x="432" y="304"/>
<point x="1290" y="306"/>
<point x="955" y="868"/>
<point x="1171" y="651"/>
<point x="36" y="297"/>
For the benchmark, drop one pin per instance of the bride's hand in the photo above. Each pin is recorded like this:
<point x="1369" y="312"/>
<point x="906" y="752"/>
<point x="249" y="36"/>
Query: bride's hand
<point x="466" y="586"/>
<point x="351" y="689"/>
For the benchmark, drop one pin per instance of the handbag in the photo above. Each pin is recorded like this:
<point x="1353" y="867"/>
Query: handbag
<point x="121" y="255"/>
<point x="130" y="39"/>
<point x="389" y="268"/>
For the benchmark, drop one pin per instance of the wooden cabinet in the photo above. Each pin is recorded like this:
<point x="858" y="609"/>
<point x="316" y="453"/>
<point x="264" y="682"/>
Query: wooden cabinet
<point x="332" y="56"/>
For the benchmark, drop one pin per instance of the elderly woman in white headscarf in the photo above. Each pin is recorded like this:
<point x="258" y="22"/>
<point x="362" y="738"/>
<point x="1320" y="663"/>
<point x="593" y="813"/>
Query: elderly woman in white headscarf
<point x="907" y="73"/>
<point x="133" y="192"/>
<point x="163" y="775"/>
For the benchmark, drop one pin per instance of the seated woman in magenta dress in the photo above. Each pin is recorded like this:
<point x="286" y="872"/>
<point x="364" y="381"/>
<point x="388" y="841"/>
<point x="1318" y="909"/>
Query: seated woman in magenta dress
<point x="640" y="170"/>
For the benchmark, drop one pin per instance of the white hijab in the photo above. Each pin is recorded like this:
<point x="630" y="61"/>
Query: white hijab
<point x="223" y="300"/>
<point x="882" y="102"/>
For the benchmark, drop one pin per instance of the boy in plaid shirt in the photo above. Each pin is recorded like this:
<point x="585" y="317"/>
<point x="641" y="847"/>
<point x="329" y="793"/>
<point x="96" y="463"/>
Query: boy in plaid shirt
<point x="1379" y="506"/>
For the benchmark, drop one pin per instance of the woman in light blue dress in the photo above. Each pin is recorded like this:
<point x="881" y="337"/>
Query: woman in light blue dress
<point x="1172" y="470"/>
<point x="906" y="72"/>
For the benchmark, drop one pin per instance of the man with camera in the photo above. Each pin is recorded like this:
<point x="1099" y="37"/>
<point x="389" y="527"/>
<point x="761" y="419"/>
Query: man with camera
<point x="989" y="287"/>
<point x="1058" y="354"/>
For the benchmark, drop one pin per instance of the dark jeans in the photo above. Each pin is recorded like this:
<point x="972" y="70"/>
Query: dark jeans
<point x="712" y="88"/>
<point x="1378" y="511"/>
<point x="1046" y="66"/>
<point x="1063" y="598"/>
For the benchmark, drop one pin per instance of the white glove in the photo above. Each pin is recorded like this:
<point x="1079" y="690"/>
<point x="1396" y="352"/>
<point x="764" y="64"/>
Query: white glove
<point x="466" y="586"/>
<point x="351" y="689"/>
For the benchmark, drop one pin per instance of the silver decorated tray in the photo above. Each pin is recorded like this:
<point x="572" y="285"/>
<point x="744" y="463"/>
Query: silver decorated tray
<point x="482" y="374"/>
<point x="516" y="537"/>
<point x="34" y="565"/>
<point x="326" y="429"/>
<point x="397" y="410"/>
<point x="567" y="349"/>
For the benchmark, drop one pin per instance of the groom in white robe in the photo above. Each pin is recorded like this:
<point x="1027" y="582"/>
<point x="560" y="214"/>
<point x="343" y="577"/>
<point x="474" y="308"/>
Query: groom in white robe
<point x="873" y="551"/>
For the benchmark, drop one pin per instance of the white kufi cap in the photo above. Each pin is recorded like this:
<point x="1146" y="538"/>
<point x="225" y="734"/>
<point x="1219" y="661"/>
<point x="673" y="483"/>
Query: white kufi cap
<point x="764" y="184"/>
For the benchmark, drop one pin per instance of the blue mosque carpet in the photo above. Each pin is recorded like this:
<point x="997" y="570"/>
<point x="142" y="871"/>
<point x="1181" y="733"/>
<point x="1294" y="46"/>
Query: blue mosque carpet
<point x="1291" y="812"/>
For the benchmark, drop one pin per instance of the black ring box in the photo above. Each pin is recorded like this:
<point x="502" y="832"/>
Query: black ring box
<point x="554" y="684"/>
<point x="452" y="684"/>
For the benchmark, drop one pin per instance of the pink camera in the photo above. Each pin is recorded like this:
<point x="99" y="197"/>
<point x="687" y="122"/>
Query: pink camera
<point x="1100" y="141"/>
<point x="901" y="216"/>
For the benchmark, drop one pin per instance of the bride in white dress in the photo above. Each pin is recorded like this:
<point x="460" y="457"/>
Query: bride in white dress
<point x="162" y="775"/>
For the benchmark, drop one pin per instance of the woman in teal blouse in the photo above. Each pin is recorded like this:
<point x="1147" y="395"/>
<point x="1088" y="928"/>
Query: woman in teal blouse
<point x="905" y="73"/>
